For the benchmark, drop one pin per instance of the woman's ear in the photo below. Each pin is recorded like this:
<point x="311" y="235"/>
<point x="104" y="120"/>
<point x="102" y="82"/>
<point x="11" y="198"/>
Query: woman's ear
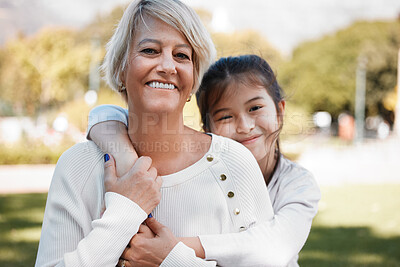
<point x="122" y="77"/>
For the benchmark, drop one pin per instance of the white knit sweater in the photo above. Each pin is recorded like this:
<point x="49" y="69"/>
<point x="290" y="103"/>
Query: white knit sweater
<point x="194" y="202"/>
<point x="294" y="195"/>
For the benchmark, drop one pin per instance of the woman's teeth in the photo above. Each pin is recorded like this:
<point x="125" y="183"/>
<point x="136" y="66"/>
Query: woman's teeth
<point x="162" y="85"/>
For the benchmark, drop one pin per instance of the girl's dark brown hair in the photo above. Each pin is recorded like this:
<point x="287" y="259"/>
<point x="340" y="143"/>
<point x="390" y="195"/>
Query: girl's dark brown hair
<point x="247" y="69"/>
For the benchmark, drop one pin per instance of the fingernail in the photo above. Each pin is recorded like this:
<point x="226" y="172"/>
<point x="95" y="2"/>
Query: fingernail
<point x="150" y="216"/>
<point x="106" y="157"/>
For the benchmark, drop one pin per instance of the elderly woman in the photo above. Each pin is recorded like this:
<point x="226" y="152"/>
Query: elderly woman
<point x="193" y="183"/>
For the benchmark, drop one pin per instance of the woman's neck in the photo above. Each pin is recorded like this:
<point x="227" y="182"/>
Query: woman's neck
<point x="166" y="140"/>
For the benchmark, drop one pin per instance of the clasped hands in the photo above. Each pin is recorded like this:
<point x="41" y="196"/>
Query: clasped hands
<point x="141" y="184"/>
<point x="150" y="246"/>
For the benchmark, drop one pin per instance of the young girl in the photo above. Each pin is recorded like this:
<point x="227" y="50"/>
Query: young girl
<point x="239" y="98"/>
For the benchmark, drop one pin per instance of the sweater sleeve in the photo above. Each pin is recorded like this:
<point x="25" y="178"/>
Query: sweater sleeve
<point x="182" y="255"/>
<point x="104" y="113"/>
<point x="275" y="242"/>
<point x="71" y="233"/>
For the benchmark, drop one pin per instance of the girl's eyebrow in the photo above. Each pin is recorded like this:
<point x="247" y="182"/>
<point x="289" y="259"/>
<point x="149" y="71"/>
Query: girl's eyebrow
<point x="220" y="110"/>
<point x="248" y="101"/>
<point x="254" y="98"/>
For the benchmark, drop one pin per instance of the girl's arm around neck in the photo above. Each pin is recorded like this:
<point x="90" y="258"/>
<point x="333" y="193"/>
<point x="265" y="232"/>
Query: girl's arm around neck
<point x="107" y="129"/>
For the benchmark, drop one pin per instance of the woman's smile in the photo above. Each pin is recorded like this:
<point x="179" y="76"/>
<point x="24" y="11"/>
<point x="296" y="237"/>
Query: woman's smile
<point x="162" y="85"/>
<point x="159" y="76"/>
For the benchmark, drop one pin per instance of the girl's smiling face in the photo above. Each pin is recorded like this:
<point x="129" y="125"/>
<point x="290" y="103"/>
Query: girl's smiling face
<point x="248" y="114"/>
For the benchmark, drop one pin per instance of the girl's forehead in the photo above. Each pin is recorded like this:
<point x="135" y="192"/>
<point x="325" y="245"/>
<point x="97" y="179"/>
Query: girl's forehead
<point x="240" y="93"/>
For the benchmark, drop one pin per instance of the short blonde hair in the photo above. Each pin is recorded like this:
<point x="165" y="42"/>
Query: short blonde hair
<point x="174" y="13"/>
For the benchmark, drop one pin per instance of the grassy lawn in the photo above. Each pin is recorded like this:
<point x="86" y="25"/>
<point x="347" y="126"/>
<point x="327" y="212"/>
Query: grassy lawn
<point x="21" y="218"/>
<point x="356" y="226"/>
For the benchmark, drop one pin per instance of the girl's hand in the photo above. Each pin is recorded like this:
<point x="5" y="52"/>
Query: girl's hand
<point x="150" y="246"/>
<point x="112" y="138"/>
<point x="195" y="244"/>
<point x="140" y="184"/>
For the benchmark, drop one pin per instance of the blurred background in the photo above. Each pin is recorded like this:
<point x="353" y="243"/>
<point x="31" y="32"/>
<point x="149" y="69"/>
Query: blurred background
<point x="337" y="61"/>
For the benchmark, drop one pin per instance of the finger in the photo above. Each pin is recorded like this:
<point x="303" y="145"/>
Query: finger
<point x="122" y="262"/>
<point x="125" y="255"/>
<point x="143" y="163"/>
<point x="146" y="231"/>
<point x="109" y="169"/>
<point x="153" y="172"/>
<point x="154" y="225"/>
<point x="159" y="182"/>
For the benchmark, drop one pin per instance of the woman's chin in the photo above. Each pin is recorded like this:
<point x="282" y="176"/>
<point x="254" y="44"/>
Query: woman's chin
<point x="162" y="108"/>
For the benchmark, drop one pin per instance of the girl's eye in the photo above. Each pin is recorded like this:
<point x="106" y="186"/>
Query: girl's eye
<point x="182" y="56"/>
<point x="224" y="118"/>
<point x="149" y="51"/>
<point x="255" y="108"/>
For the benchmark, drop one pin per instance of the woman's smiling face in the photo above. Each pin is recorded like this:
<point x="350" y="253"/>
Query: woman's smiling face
<point x="159" y="75"/>
<point x="248" y="115"/>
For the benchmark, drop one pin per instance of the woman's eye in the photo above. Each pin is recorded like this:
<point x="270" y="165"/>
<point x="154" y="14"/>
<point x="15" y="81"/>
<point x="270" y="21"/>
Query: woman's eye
<point x="224" y="118"/>
<point x="182" y="56"/>
<point x="149" y="51"/>
<point x="255" y="108"/>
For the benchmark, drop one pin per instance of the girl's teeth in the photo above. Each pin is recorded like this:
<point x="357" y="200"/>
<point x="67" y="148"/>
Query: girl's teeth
<point x="161" y="85"/>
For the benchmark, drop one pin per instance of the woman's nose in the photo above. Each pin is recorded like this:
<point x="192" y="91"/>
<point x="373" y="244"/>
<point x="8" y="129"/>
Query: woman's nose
<point x="244" y="124"/>
<point x="167" y="65"/>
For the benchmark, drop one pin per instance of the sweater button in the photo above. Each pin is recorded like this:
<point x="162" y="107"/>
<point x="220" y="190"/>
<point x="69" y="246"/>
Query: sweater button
<point x="236" y="211"/>
<point x="242" y="228"/>
<point x="210" y="158"/>
<point x="222" y="177"/>
<point x="231" y="194"/>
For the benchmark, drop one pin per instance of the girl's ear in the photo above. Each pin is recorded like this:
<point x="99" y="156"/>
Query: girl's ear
<point x="281" y="108"/>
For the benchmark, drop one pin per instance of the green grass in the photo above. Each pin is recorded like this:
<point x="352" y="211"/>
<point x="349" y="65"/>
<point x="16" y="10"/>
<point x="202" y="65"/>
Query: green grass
<point x="21" y="218"/>
<point x="356" y="226"/>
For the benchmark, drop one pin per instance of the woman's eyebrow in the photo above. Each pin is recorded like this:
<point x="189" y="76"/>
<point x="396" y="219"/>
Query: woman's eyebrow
<point x="184" y="45"/>
<point x="148" y="40"/>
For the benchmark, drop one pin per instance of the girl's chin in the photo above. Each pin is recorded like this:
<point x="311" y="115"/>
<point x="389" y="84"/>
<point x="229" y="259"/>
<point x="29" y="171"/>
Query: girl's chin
<point x="259" y="155"/>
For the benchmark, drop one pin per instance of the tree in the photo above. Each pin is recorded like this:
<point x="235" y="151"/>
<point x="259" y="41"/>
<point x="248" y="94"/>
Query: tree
<point x="246" y="42"/>
<point x="321" y="74"/>
<point x="43" y="71"/>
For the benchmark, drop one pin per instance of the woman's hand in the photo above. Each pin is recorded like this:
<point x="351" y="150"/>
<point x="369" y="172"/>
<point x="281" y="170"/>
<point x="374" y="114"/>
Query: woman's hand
<point x="140" y="184"/>
<point x="112" y="138"/>
<point x="150" y="246"/>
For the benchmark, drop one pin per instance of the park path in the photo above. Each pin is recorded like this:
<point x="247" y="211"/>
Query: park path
<point x="25" y="178"/>
<point x="373" y="162"/>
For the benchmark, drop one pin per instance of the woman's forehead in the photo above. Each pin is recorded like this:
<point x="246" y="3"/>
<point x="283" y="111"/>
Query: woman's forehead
<point x="150" y="27"/>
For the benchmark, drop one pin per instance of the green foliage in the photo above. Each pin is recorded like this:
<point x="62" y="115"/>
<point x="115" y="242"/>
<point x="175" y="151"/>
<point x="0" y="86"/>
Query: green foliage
<point x="43" y="71"/>
<point x="321" y="74"/>
<point x="32" y="152"/>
